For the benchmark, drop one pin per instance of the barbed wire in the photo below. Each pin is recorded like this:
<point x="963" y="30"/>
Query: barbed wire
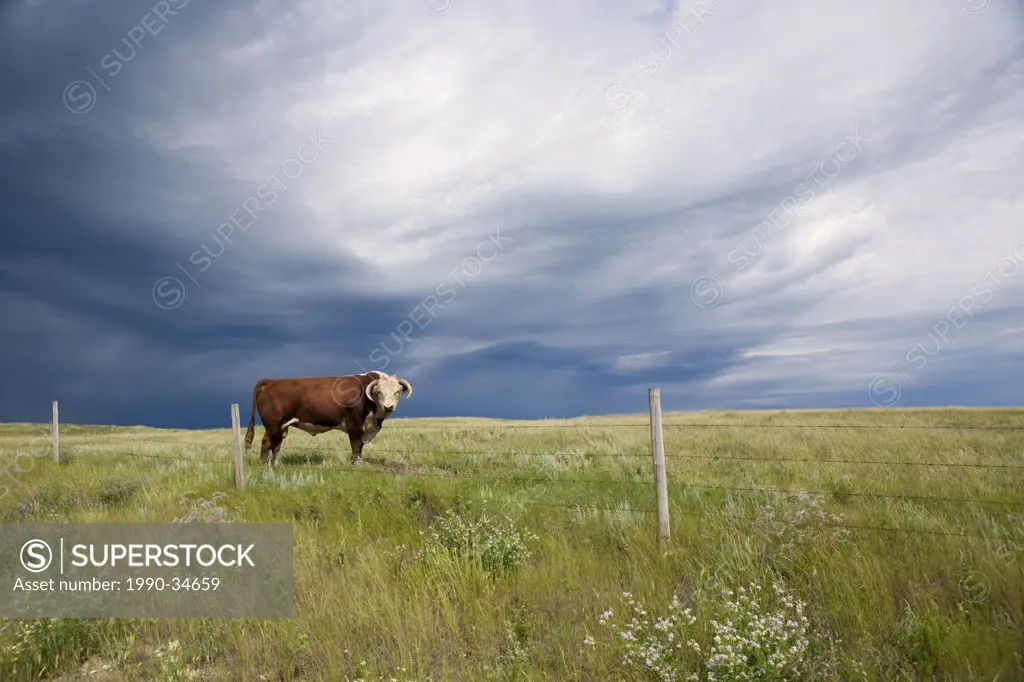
<point x="619" y="482"/>
<point x="124" y="440"/>
<point x="150" y="455"/>
<point x="704" y="515"/>
<point x="442" y="451"/>
<point x="849" y="526"/>
<point x="843" y="493"/>
<point x="665" y="424"/>
<point x="625" y="455"/>
<point x="206" y="460"/>
<point x="808" y="460"/>
<point x="468" y="477"/>
<point x="407" y="493"/>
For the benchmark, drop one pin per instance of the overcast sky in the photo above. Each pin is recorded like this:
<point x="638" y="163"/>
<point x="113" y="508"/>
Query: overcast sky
<point x="525" y="209"/>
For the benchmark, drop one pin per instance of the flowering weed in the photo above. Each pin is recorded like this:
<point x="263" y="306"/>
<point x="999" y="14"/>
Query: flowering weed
<point x="654" y="645"/>
<point x="753" y="640"/>
<point x="755" y="633"/>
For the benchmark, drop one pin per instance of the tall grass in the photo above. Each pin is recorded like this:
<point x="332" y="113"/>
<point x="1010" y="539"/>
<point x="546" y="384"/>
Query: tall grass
<point x="485" y="550"/>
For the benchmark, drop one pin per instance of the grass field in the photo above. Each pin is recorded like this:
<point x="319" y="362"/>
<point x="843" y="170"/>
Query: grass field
<point x="406" y="568"/>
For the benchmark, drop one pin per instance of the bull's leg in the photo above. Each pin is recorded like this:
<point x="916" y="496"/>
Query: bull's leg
<point x="275" y="444"/>
<point x="275" y="451"/>
<point x="272" y="438"/>
<point x="264" y="448"/>
<point x="356" y="440"/>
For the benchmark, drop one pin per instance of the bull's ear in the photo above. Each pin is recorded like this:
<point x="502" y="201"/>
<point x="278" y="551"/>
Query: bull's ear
<point x="370" y="388"/>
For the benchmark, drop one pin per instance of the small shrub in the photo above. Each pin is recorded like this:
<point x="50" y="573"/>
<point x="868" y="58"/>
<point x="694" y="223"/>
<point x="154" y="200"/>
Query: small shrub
<point x="49" y="504"/>
<point x="294" y="651"/>
<point x="202" y="510"/>
<point x="495" y="545"/>
<point x="514" y="659"/>
<point x="68" y="456"/>
<point x="116" y="492"/>
<point x="426" y="505"/>
<point x="920" y="639"/>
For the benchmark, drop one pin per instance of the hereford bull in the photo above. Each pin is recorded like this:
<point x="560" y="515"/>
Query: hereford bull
<point x="355" y="404"/>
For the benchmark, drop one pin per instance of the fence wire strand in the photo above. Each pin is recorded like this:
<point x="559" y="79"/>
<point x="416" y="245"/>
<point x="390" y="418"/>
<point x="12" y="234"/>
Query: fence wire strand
<point x="702" y="515"/>
<point x="205" y="460"/>
<point x="533" y="480"/>
<point x="647" y="456"/>
<point x="665" y="424"/>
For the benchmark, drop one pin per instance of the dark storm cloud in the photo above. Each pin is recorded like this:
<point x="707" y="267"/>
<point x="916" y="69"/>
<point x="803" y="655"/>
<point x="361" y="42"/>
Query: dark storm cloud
<point x="531" y="380"/>
<point x="101" y="49"/>
<point x="592" y="366"/>
<point x="89" y="225"/>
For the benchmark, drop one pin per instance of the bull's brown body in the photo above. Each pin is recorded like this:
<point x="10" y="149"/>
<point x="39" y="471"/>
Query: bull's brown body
<point x="320" y="404"/>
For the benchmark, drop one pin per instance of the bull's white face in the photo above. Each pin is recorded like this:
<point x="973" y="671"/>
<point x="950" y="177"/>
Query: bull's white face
<point x="385" y="393"/>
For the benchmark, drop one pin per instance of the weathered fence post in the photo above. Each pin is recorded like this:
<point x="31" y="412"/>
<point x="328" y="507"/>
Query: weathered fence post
<point x="658" y="452"/>
<point x="236" y="428"/>
<point x="55" y="431"/>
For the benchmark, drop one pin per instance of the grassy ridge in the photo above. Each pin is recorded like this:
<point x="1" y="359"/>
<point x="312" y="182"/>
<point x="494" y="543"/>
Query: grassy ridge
<point x="894" y="604"/>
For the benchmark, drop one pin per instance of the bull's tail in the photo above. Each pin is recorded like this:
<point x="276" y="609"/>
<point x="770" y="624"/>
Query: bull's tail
<point x="251" y="431"/>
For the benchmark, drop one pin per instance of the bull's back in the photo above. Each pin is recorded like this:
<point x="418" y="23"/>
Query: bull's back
<point x="315" y="400"/>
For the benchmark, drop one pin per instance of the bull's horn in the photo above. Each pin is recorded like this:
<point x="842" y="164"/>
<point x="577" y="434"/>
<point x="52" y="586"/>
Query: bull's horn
<point x="369" y="388"/>
<point x="407" y="386"/>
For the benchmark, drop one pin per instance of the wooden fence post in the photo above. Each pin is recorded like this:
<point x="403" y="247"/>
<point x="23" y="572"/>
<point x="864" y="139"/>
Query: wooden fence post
<point x="55" y="431"/>
<point x="658" y="452"/>
<point x="236" y="428"/>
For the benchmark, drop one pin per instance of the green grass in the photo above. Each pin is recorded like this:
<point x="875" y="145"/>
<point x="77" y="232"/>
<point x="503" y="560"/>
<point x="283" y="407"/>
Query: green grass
<point x="380" y="591"/>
